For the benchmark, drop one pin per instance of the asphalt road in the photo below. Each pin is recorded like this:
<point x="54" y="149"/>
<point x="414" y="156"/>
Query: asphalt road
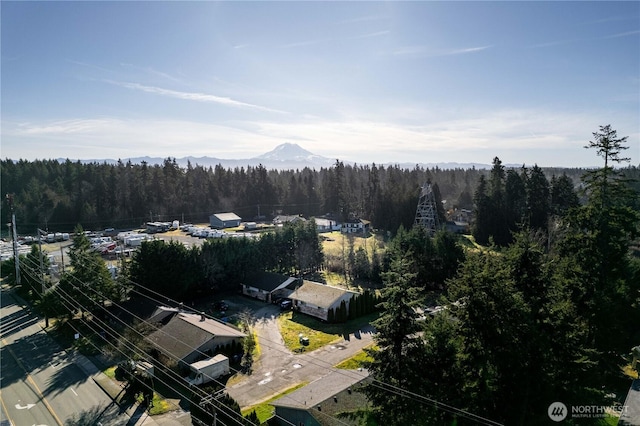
<point x="41" y="384"/>
<point x="278" y="369"/>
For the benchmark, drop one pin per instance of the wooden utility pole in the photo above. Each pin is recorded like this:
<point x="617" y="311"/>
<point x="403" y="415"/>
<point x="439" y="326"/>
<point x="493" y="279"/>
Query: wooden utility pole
<point x="16" y="255"/>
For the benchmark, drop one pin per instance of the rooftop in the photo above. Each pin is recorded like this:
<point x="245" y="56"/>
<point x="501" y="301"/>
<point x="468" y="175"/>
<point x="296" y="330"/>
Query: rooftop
<point x="227" y="216"/>
<point x="325" y="388"/>
<point x="318" y="294"/>
<point x="185" y="333"/>
<point x="268" y="281"/>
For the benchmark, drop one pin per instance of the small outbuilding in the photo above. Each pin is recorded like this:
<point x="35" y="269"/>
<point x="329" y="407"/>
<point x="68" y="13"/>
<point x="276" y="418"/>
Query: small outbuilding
<point x="224" y="220"/>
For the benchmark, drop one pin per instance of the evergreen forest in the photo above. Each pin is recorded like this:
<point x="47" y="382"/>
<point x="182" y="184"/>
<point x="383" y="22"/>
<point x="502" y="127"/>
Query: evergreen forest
<point x="540" y="304"/>
<point x="56" y="196"/>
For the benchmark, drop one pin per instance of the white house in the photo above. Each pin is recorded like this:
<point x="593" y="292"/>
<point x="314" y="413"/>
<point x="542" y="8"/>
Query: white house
<point x="357" y="226"/>
<point x="326" y="225"/>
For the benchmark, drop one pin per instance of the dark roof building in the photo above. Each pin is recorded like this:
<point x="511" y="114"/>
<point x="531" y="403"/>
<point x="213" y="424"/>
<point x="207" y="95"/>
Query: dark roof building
<point x="320" y="401"/>
<point x="263" y="285"/>
<point x="188" y="337"/>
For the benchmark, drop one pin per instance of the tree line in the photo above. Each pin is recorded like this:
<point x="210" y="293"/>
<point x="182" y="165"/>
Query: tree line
<point x="524" y="324"/>
<point x="57" y="195"/>
<point x="221" y="265"/>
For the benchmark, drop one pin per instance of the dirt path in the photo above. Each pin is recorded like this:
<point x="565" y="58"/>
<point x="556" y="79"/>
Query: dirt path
<point x="279" y="369"/>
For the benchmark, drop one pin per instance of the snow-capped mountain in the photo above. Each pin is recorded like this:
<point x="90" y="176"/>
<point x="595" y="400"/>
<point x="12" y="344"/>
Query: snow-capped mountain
<point x="285" y="156"/>
<point x="291" y="152"/>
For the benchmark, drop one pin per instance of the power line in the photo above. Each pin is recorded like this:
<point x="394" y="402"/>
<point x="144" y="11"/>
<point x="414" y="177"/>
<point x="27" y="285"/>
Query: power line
<point x="382" y="385"/>
<point x="67" y="301"/>
<point x="162" y="331"/>
<point x="79" y="306"/>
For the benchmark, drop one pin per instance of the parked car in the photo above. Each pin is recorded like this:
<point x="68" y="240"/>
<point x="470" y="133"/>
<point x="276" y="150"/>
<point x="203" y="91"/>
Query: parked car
<point x="286" y="304"/>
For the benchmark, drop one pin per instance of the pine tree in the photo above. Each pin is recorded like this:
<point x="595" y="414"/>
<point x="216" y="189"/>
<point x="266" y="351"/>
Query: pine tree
<point x="89" y="283"/>
<point x="399" y="357"/>
<point x="598" y="241"/>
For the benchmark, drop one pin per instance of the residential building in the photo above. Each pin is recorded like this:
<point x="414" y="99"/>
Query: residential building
<point x="266" y="285"/>
<point x="185" y="337"/>
<point x="356" y="226"/>
<point x="316" y="299"/>
<point x="326" y="225"/>
<point x="319" y="402"/>
<point x="282" y="219"/>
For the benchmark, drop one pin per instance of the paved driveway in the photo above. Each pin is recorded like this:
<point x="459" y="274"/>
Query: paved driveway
<point x="279" y="369"/>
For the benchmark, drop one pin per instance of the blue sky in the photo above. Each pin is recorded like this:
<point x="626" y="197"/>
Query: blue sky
<point x="360" y="81"/>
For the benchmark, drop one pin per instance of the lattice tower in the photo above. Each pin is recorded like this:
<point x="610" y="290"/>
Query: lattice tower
<point x="427" y="211"/>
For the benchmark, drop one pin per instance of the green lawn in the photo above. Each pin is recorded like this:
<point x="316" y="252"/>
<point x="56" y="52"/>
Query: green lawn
<point x="292" y="324"/>
<point x="265" y="409"/>
<point x="111" y="372"/>
<point x="356" y="361"/>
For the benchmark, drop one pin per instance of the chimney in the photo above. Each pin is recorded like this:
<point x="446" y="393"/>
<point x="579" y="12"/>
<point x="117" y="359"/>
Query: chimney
<point x="335" y="399"/>
<point x="202" y="317"/>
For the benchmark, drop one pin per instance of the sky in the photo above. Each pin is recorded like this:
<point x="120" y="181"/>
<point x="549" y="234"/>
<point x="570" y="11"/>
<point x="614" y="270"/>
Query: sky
<point x="370" y="82"/>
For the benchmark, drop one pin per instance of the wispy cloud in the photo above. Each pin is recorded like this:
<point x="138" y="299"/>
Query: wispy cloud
<point x="466" y="50"/>
<point x="93" y="66"/>
<point x="625" y="34"/>
<point x="374" y="34"/>
<point x="191" y="96"/>
<point x="585" y="39"/>
<point x="424" y="51"/>
<point x="514" y="135"/>
<point x="153" y="72"/>
<point x="63" y="127"/>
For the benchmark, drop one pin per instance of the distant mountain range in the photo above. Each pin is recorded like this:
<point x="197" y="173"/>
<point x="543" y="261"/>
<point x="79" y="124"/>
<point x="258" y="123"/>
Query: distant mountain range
<point x="286" y="156"/>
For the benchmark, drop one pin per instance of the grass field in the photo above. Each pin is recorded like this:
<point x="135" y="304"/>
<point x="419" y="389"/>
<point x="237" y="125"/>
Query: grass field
<point x="292" y="324"/>
<point x="356" y="361"/>
<point x="264" y="411"/>
<point x="335" y="242"/>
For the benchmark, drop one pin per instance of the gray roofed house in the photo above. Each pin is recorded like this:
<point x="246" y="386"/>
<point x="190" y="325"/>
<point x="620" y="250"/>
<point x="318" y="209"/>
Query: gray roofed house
<point x="316" y="299"/>
<point x="162" y="314"/>
<point x="224" y="220"/>
<point x="187" y="337"/>
<point x="320" y="401"/>
<point x="282" y="219"/>
<point x="265" y="285"/>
